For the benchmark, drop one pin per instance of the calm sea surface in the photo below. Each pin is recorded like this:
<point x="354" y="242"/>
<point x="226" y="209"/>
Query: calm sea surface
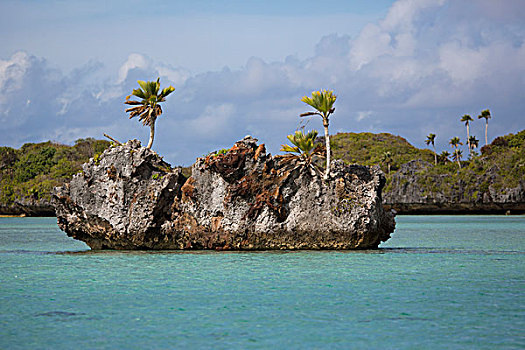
<point x="441" y="282"/>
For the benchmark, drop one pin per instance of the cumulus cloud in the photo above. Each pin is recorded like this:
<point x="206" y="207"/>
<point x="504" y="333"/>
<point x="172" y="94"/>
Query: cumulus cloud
<point x="213" y="122"/>
<point x="416" y="71"/>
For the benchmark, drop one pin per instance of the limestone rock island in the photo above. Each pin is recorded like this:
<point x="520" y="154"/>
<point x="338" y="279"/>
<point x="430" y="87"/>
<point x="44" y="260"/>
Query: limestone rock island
<point x="242" y="199"/>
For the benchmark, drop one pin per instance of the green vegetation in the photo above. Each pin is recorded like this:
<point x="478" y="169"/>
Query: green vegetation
<point x="304" y="148"/>
<point x="33" y="170"/>
<point x="323" y="103"/>
<point x="500" y="164"/>
<point x="368" y="149"/>
<point x="217" y="153"/>
<point x="148" y="108"/>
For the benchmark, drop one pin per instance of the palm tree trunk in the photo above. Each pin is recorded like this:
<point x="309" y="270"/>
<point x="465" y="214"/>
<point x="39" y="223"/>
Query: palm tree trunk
<point x="486" y="131"/>
<point x="435" y="155"/>
<point x="457" y="158"/>
<point x="328" y="150"/>
<point x="151" y="135"/>
<point x="468" y="141"/>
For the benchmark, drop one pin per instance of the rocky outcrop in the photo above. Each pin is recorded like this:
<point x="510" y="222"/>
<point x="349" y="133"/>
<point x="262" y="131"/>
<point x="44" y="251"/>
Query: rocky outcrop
<point x="409" y="193"/>
<point x="119" y="201"/>
<point x="244" y="199"/>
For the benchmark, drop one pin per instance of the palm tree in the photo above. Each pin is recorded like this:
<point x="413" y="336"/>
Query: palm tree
<point x="387" y="158"/>
<point x="467" y="119"/>
<point x="454" y="142"/>
<point x="473" y="142"/>
<point x="485" y="114"/>
<point x="445" y="156"/>
<point x="323" y="103"/>
<point x="430" y="140"/>
<point x="303" y="149"/>
<point x="148" y="108"/>
<point x="457" y="156"/>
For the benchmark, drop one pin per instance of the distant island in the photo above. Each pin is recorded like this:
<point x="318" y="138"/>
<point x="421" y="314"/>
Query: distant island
<point x="492" y="181"/>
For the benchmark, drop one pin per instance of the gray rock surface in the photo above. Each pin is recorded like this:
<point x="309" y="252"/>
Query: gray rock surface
<point x="241" y="200"/>
<point x="119" y="201"/>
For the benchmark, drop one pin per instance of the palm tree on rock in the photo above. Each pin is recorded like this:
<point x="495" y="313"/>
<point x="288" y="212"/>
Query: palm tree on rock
<point x="148" y="109"/>
<point x="323" y="102"/>
<point x="304" y="148"/>
<point x="455" y="142"/>
<point x="430" y="140"/>
<point x="467" y="119"/>
<point x="486" y="114"/>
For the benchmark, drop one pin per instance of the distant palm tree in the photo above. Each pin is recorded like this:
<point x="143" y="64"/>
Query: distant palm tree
<point x="323" y="102"/>
<point x="387" y="159"/>
<point x="486" y="114"/>
<point x="148" y="108"/>
<point x="473" y="142"/>
<point x="457" y="156"/>
<point x="454" y="142"/>
<point x="430" y="140"/>
<point x="467" y="119"/>
<point x="445" y="156"/>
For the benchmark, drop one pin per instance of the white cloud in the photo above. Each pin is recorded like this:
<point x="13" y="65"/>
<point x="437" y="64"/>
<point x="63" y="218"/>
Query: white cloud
<point x="12" y="72"/>
<point x="134" y="61"/>
<point x="212" y="122"/>
<point x="462" y="64"/>
<point x="393" y="36"/>
<point x="13" y="69"/>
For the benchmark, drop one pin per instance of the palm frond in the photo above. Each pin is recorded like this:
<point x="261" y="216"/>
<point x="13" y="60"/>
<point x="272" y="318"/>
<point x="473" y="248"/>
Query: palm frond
<point x="307" y="114"/>
<point x="166" y="91"/>
<point x="131" y="109"/>
<point x="131" y="102"/>
<point x="485" y="114"/>
<point x="286" y="148"/>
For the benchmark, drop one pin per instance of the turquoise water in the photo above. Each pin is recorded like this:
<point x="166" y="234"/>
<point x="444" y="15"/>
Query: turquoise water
<point x="454" y="282"/>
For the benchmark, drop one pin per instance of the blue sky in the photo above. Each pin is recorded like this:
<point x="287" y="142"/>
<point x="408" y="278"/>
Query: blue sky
<point x="240" y="67"/>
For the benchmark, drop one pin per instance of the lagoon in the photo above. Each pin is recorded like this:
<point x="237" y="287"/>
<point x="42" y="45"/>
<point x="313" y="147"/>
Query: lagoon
<point x="455" y="282"/>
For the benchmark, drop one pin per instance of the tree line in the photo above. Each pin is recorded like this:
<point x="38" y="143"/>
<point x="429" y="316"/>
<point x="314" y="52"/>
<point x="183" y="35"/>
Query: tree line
<point x="455" y="142"/>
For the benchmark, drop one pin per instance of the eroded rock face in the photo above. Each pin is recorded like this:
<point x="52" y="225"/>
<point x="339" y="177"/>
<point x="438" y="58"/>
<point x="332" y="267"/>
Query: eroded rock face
<point x="119" y="201"/>
<point x="241" y="200"/>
